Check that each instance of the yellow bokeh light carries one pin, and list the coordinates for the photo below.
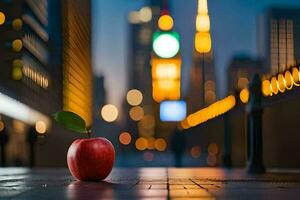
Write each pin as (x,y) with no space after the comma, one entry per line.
(203,42)
(212,111)
(17,45)
(167,71)
(150,143)
(160,144)
(274,85)
(109,113)
(196,151)
(134,97)
(296,76)
(2,18)
(17,73)
(202,23)
(17,24)
(2,125)
(125,138)
(289,80)
(165,23)
(136,113)
(266,88)
(202,7)
(40,127)
(141,144)
(145,14)
(147,122)
(281,83)
(17,63)
(244,95)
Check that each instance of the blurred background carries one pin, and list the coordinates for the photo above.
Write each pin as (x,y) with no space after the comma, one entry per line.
(140,73)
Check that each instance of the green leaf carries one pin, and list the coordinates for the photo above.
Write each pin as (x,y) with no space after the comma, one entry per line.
(70,121)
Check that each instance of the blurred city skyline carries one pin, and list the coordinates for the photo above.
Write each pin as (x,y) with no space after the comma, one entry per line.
(231,36)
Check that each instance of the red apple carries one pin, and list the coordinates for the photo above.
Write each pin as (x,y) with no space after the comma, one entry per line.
(91,159)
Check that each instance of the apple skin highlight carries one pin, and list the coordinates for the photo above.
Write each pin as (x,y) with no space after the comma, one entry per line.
(91,159)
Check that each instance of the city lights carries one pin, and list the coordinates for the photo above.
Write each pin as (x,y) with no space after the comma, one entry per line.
(202,36)
(17,110)
(136,113)
(134,97)
(202,23)
(281,83)
(145,14)
(2,126)
(141,144)
(203,42)
(195,151)
(244,95)
(17,24)
(109,113)
(218,108)
(17,45)
(172,111)
(166,45)
(160,144)
(125,138)
(40,127)
(165,23)
(17,73)
(2,18)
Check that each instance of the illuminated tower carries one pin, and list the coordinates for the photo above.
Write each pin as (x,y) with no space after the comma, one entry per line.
(202,85)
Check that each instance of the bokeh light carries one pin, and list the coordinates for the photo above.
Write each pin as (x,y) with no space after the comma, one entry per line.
(147,122)
(125,138)
(281,83)
(288,80)
(202,23)
(203,42)
(148,156)
(17,45)
(296,76)
(109,113)
(141,144)
(17,73)
(134,97)
(274,85)
(2,18)
(150,143)
(136,113)
(160,144)
(17,24)
(196,151)
(165,22)
(1,125)
(266,87)
(145,14)
(213,149)
(40,127)
(166,45)
(244,95)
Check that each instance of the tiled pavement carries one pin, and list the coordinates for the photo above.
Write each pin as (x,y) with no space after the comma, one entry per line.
(148,183)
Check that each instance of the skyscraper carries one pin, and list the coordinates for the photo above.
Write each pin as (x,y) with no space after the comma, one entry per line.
(278,38)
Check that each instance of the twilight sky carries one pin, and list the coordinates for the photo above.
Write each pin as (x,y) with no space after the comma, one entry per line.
(233,30)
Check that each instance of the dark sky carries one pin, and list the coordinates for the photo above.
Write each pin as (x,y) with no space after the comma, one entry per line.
(233,30)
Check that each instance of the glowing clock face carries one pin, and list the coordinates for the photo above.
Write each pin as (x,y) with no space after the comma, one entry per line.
(166,45)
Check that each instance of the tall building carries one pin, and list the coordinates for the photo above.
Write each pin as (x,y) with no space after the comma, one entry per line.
(77,67)
(45,67)
(26,78)
(278,38)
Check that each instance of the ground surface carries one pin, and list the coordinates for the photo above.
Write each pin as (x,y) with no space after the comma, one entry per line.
(148,183)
